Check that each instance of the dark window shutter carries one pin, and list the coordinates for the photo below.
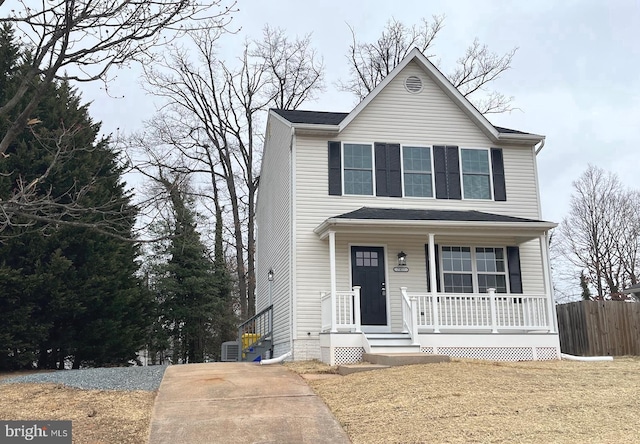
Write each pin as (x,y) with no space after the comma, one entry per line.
(515,276)
(388,174)
(381,169)
(446,166)
(394,179)
(426,254)
(440,171)
(335,169)
(497,167)
(453,173)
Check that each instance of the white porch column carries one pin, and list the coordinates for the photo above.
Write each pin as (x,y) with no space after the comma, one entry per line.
(546,273)
(332,272)
(434,282)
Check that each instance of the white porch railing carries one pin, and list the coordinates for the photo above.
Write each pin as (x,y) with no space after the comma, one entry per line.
(488,311)
(410,315)
(341,310)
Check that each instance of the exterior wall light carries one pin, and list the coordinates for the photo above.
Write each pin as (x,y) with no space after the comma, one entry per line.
(270,275)
(402,259)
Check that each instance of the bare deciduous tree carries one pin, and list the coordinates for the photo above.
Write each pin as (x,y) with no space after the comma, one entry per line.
(81,41)
(370,63)
(212,116)
(601,234)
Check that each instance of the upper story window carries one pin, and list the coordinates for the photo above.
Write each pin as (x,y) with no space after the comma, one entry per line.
(476,175)
(386,169)
(417,174)
(358,169)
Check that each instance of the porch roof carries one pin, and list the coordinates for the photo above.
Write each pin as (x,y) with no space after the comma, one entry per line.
(453,222)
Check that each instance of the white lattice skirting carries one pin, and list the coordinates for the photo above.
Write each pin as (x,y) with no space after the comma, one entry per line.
(348,355)
(497,353)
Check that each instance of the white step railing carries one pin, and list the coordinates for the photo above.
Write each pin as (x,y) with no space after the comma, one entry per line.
(488,311)
(341,311)
(410,315)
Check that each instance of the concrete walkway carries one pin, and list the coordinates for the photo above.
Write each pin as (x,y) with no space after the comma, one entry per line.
(240,403)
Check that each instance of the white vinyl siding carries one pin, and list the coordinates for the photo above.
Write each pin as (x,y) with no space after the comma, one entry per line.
(273,241)
(396,116)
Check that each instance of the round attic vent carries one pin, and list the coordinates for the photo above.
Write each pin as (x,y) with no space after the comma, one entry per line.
(413,84)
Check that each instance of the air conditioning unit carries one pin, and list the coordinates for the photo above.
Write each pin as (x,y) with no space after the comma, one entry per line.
(230,351)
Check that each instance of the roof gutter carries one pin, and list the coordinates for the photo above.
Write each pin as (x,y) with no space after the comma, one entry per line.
(540,147)
(316,127)
(335,221)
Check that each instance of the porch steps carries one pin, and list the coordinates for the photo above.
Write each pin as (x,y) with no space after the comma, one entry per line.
(394,359)
(391,343)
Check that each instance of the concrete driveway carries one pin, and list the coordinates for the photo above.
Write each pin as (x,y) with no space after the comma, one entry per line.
(240,403)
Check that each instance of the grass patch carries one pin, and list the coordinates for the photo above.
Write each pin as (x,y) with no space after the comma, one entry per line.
(468,401)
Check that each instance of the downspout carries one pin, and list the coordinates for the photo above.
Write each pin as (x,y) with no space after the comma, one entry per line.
(540,147)
(275,360)
(292,281)
(585,358)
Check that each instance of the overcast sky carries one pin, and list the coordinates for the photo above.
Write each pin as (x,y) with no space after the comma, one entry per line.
(575,77)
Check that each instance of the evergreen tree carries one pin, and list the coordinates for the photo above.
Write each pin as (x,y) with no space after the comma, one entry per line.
(67,293)
(194,292)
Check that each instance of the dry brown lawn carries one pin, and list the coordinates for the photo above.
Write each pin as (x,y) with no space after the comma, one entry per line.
(99,416)
(484,402)
(458,402)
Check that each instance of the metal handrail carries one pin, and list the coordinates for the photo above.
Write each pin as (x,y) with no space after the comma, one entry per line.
(256,329)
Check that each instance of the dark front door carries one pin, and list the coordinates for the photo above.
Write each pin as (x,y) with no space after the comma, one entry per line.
(367,271)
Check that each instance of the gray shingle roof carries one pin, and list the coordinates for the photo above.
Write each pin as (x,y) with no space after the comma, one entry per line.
(330,118)
(312,117)
(448,215)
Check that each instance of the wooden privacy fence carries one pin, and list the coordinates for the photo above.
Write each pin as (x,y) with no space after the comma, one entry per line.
(599,328)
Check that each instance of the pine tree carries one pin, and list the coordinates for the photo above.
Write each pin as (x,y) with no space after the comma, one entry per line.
(193,291)
(68,294)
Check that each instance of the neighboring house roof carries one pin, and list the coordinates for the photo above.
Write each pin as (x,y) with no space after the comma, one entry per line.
(339,121)
(632,289)
(331,118)
(469,222)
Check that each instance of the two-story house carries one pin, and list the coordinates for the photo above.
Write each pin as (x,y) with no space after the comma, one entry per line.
(410,223)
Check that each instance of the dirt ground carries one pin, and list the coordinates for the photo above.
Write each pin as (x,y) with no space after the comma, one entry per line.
(458,402)
(486,402)
(99,417)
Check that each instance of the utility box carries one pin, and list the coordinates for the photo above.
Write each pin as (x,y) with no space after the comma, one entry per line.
(230,351)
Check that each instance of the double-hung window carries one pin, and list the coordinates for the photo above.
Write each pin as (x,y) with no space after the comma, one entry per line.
(457,269)
(476,174)
(491,268)
(358,169)
(469,270)
(416,164)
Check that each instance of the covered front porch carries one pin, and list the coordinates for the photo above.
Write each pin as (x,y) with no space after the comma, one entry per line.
(441,302)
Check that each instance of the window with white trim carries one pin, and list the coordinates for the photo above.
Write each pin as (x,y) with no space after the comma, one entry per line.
(476,173)
(416,167)
(457,269)
(473,270)
(492,272)
(358,169)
